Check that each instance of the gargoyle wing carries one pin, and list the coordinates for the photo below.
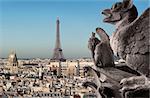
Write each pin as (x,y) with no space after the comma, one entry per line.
(134,43)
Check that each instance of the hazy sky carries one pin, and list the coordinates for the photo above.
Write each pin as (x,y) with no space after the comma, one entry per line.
(29,26)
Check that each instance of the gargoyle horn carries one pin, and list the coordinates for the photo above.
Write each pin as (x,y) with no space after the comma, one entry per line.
(127,4)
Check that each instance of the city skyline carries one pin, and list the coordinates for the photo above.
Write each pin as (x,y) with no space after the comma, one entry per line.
(29,27)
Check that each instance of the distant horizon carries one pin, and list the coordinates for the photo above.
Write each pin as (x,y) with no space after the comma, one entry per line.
(46,58)
(29,27)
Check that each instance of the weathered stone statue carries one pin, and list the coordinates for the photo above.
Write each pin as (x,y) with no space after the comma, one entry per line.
(102,53)
(100,92)
(94,87)
(131,38)
(131,42)
(96,75)
(97,84)
(93,41)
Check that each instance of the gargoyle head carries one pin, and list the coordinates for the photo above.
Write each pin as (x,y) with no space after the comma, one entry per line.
(120,11)
(87,69)
(89,84)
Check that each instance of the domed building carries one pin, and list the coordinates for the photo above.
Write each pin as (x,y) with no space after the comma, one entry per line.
(12,64)
(12,59)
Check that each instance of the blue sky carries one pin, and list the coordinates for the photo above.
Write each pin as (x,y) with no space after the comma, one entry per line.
(29,26)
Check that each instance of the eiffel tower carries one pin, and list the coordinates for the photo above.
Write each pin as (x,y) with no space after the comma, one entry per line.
(58,54)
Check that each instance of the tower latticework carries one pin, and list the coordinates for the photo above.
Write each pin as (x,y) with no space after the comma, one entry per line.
(58,53)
